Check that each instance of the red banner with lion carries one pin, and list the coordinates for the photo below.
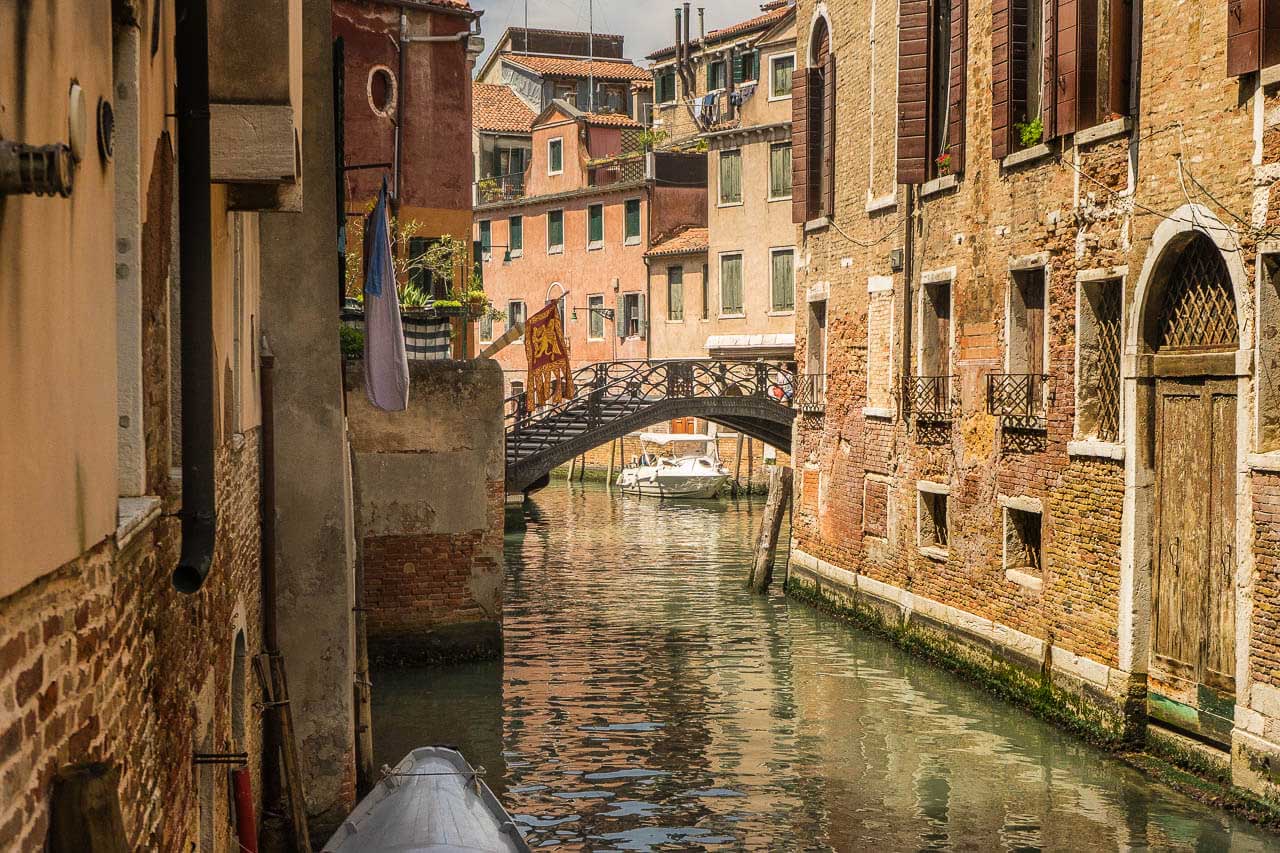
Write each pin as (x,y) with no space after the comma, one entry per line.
(550,377)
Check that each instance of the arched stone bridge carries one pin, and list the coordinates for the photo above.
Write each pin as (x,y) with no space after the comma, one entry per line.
(613,399)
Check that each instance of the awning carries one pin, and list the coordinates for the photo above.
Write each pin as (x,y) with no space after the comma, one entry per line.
(780,346)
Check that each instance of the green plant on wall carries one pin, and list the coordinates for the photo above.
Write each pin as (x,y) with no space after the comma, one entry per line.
(1029,132)
(649,139)
(402,262)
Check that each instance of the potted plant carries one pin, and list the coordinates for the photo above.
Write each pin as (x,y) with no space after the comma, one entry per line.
(943,162)
(1029,132)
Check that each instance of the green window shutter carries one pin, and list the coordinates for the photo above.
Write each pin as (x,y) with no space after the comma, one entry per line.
(595,223)
(731,284)
(739,67)
(486,236)
(730,177)
(555,228)
(516,234)
(556,155)
(780,85)
(620,317)
(642,312)
(633,219)
(711,76)
(675,293)
(780,171)
(783,281)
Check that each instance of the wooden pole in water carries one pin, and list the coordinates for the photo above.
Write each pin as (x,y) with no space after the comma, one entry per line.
(613,450)
(582,467)
(751,463)
(573,464)
(780,479)
(737,466)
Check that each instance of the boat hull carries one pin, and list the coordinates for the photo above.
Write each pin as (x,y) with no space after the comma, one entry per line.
(674,486)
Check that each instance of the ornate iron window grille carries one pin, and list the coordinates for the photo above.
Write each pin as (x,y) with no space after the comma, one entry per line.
(811,393)
(1109,311)
(1019,399)
(928,398)
(1198,312)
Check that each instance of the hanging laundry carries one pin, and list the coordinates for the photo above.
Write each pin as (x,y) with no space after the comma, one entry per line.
(386,367)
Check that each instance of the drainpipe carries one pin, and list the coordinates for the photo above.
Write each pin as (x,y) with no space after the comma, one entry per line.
(271,787)
(908,269)
(195,232)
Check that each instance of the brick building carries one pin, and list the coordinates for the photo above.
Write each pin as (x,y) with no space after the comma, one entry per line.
(1035,269)
(592,205)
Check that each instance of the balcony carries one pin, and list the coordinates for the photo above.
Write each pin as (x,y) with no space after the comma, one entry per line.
(1020,400)
(927,399)
(811,393)
(625,169)
(500,188)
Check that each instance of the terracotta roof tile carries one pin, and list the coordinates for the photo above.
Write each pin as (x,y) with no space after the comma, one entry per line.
(611,120)
(773,14)
(556,66)
(498,109)
(686,241)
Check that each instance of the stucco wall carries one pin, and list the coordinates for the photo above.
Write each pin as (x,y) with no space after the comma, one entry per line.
(429,493)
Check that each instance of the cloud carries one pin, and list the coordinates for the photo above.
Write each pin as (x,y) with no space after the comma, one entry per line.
(647,24)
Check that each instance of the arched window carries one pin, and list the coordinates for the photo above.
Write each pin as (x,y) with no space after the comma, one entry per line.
(1197,309)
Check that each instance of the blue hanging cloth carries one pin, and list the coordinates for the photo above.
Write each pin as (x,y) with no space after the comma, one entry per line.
(386,367)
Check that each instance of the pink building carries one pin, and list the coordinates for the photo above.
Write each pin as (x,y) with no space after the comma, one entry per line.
(592,204)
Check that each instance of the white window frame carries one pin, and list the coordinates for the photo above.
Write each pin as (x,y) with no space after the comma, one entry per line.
(741,178)
(633,241)
(550,142)
(948,275)
(524,314)
(724,62)
(881,284)
(557,249)
(741,256)
(926,487)
(772,60)
(1091,445)
(1016,574)
(595,245)
(592,314)
(783,312)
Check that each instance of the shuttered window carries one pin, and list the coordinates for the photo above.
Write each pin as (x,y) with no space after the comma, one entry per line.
(780,76)
(932,56)
(516,234)
(715,75)
(813,132)
(675,293)
(486,237)
(632,225)
(665,85)
(800,146)
(595,322)
(746,66)
(555,156)
(731,284)
(595,224)
(555,230)
(730,183)
(783,280)
(780,170)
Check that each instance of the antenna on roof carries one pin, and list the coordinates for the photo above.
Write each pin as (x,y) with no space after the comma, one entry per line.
(591,56)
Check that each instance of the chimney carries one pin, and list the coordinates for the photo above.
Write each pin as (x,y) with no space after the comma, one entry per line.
(702,23)
(679,44)
(687,25)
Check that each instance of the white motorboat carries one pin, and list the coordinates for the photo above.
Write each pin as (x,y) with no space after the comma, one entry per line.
(663,472)
(433,800)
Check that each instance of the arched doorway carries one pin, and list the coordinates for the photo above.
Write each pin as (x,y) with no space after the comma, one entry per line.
(1188,335)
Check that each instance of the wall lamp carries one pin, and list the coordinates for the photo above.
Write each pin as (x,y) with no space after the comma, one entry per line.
(36,169)
(606,313)
(506,256)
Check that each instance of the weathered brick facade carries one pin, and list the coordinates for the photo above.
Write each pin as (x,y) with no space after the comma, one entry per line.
(1107,206)
(103,660)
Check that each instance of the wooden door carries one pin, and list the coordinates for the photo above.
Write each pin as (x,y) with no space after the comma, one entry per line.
(1193,560)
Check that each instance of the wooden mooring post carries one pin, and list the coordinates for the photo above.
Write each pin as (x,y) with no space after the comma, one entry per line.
(613,452)
(737,466)
(780,478)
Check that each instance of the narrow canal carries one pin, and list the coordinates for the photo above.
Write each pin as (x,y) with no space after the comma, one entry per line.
(647,701)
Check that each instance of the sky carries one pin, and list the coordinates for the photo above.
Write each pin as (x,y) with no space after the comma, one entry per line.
(647,24)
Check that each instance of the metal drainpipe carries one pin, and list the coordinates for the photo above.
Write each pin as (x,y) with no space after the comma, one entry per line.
(908,268)
(195,231)
(271,782)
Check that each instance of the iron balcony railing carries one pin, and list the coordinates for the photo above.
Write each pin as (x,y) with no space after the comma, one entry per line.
(928,398)
(497,188)
(811,393)
(1020,400)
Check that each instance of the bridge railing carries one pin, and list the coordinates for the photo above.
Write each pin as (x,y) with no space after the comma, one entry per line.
(601,386)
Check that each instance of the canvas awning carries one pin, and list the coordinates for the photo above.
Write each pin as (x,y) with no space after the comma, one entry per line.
(781,345)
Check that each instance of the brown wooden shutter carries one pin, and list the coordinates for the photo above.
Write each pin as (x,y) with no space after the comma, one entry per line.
(829,136)
(1120,64)
(913,91)
(817,126)
(1244,36)
(800,146)
(1066,79)
(1087,65)
(956,85)
(1001,77)
(1270,26)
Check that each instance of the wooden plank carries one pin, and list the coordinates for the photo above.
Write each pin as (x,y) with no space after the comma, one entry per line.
(800,146)
(1067,83)
(957,85)
(780,485)
(289,753)
(251,143)
(1220,648)
(1244,26)
(913,82)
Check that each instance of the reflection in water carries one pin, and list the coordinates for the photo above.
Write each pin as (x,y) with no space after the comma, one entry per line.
(647,701)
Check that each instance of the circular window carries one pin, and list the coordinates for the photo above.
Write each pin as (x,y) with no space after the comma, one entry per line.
(382,91)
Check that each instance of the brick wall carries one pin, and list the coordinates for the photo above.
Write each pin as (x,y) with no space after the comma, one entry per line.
(103,660)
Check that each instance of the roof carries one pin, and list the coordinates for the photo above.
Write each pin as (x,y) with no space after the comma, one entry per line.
(598,119)
(543,31)
(456,5)
(601,69)
(774,13)
(687,241)
(498,109)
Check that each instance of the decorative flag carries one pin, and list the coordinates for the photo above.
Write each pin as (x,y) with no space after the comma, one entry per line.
(550,378)
(386,368)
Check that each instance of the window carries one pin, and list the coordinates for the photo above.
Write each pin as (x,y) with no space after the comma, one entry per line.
(715,75)
(595,320)
(782,279)
(706,293)
(931,89)
(1098,360)
(932,531)
(815,351)
(814,106)
(664,84)
(875,507)
(515,314)
(675,293)
(515,236)
(486,328)
(555,156)
(632,232)
(746,66)
(730,284)
(381,91)
(935,329)
(880,314)
(780,171)
(1252,42)
(421,276)
(631,323)
(555,232)
(1268,368)
(1025,332)
(1022,552)
(730,177)
(565,91)
(486,238)
(511,161)
(780,71)
(595,226)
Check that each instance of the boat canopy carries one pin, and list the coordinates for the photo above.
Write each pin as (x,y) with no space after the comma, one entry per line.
(673,437)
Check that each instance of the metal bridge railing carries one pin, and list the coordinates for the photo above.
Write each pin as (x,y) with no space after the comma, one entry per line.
(811,393)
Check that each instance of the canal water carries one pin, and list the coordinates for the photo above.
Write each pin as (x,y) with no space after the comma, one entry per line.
(647,701)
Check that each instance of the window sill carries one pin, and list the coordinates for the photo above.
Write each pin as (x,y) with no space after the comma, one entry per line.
(1268,463)
(1106,130)
(782,312)
(1025,580)
(518,253)
(817,224)
(729,204)
(732,317)
(595,340)
(555,174)
(679,322)
(933,552)
(774,98)
(595,246)
(878,412)
(631,241)
(133,517)
(938,185)
(1092,448)
(555,250)
(1028,155)
(774,198)
(885,202)
(1269,76)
